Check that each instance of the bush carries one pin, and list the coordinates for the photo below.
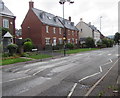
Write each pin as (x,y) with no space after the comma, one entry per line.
(12,49)
(90,43)
(69,46)
(107,42)
(58,47)
(27,40)
(28,46)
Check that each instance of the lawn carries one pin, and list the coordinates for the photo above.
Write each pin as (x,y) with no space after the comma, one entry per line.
(15,60)
(39,56)
(80,50)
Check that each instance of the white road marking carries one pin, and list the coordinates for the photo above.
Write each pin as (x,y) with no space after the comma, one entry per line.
(24,71)
(93,87)
(38,71)
(101,69)
(73,88)
(23,91)
(16,79)
(109,54)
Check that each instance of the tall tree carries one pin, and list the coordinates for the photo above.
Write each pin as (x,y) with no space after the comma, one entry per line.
(117,38)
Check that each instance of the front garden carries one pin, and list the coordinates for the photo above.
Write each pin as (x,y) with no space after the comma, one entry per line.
(17,52)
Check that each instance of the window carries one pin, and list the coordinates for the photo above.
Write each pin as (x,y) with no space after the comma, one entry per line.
(60,41)
(47,29)
(54,41)
(54,30)
(60,31)
(73,40)
(68,32)
(47,41)
(5,23)
(68,40)
(72,32)
(76,41)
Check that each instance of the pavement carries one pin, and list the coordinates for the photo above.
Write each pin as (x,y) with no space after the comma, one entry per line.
(107,86)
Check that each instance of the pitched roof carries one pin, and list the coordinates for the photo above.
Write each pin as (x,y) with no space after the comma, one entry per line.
(50,19)
(68,24)
(47,18)
(8,35)
(4,10)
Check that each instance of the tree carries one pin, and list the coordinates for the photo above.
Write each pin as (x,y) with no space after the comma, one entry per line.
(117,38)
(90,43)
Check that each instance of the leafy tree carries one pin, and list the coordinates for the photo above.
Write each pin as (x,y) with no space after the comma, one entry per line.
(117,38)
(90,43)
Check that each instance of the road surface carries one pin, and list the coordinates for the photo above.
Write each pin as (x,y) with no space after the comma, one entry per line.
(68,76)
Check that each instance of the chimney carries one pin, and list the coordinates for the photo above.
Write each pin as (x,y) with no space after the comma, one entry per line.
(89,23)
(31,4)
(81,19)
(69,18)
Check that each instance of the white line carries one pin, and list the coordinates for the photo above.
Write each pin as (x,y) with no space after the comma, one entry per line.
(72,90)
(16,79)
(101,69)
(93,87)
(109,54)
(38,71)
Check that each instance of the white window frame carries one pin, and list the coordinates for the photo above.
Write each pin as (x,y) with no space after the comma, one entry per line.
(54,30)
(72,32)
(73,40)
(76,41)
(47,41)
(68,40)
(60,31)
(5,23)
(47,29)
(54,41)
(60,41)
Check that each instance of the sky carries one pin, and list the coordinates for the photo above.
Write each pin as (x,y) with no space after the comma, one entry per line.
(89,10)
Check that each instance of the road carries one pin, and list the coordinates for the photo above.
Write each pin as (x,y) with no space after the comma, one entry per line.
(68,76)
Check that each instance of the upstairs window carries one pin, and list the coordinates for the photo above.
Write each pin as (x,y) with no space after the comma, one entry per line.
(60,31)
(54,30)
(47,29)
(5,23)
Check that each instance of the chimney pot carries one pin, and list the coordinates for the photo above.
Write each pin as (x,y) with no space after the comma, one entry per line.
(69,18)
(31,4)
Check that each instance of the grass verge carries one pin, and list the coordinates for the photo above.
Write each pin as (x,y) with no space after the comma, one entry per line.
(39,56)
(14,60)
(80,50)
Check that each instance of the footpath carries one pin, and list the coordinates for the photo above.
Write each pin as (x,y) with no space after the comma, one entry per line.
(109,85)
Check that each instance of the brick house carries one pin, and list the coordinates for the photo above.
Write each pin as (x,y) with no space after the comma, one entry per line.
(45,28)
(7,21)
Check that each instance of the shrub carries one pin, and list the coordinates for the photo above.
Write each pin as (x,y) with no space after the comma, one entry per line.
(27,40)
(90,43)
(69,46)
(58,47)
(28,46)
(12,49)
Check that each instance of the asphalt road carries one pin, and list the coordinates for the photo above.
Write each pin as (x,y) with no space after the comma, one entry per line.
(68,76)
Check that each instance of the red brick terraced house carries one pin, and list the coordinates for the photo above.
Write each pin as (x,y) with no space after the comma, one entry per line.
(7,20)
(47,29)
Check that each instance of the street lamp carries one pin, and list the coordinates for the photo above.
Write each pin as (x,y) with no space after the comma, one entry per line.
(64,35)
(100,22)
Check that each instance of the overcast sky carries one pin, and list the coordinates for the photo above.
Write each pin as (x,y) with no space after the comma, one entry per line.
(89,10)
